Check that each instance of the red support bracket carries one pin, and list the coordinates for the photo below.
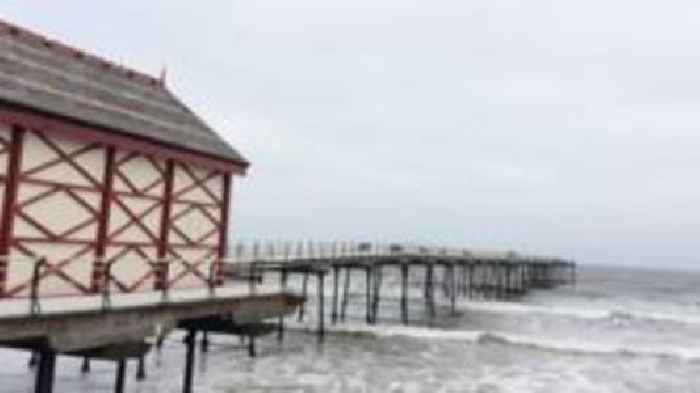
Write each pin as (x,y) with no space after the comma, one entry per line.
(224,226)
(162,276)
(10,202)
(103,221)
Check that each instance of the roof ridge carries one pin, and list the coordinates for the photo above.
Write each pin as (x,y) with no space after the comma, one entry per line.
(21,33)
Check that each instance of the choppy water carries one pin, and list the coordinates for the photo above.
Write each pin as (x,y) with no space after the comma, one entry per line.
(618,330)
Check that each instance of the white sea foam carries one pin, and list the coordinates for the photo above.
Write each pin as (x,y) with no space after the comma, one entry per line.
(529,341)
(681,316)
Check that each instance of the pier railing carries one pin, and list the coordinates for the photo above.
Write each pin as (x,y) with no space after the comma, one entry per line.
(285,251)
(30,274)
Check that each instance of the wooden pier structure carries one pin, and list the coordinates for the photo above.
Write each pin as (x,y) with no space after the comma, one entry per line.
(448,271)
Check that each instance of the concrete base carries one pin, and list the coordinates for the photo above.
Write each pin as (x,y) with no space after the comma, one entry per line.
(83,330)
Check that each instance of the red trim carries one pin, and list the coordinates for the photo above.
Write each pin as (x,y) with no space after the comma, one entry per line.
(197,183)
(103,220)
(10,202)
(53,184)
(224,222)
(165,221)
(30,239)
(104,136)
(48,183)
(119,244)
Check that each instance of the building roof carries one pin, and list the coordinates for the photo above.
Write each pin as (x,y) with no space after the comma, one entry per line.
(53,78)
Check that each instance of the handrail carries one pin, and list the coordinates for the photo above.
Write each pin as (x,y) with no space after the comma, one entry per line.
(161,269)
(213,277)
(106,288)
(34,305)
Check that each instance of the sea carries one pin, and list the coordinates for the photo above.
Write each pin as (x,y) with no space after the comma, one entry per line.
(617,330)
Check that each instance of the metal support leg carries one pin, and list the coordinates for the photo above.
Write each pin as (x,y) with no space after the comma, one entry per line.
(321,312)
(141,368)
(205,342)
(404,294)
(346,293)
(453,289)
(120,380)
(85,367)
(251,346)
(463,282)
(305,290)
(430,290)
(189,361)
(472,268)
(368,294)
(45,372)
(33,359)
(280,323)
(336,276)
(376,296)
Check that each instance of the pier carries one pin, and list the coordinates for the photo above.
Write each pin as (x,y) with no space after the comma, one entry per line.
(447,274)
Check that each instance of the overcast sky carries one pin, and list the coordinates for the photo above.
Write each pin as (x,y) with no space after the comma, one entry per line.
(551,127)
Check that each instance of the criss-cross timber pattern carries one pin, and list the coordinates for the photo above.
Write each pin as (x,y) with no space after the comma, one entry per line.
(136,207)
(85,206)
(56,214)
(195,225)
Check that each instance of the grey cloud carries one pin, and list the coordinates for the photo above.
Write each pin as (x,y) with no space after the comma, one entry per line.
(557,127)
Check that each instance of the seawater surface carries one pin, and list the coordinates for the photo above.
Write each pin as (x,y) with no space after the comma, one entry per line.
(618,330)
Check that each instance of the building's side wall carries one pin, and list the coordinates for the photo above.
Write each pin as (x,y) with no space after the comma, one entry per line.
(195,224)
(86,206)
(56,214)
(136,207)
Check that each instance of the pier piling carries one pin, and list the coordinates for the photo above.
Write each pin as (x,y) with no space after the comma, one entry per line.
(45,371)
(85,367)
(141,368)
(336,276)
(321,313)
(188,377)
(120,379)
(404,293)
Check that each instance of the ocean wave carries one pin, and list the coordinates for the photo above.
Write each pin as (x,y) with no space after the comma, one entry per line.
(615,315)
(526,341)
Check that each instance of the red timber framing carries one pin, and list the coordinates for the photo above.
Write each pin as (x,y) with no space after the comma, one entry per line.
(68,129)
(103,224)
(74,196)
(196,219)
(12,158)
(162,277)
(224,227)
